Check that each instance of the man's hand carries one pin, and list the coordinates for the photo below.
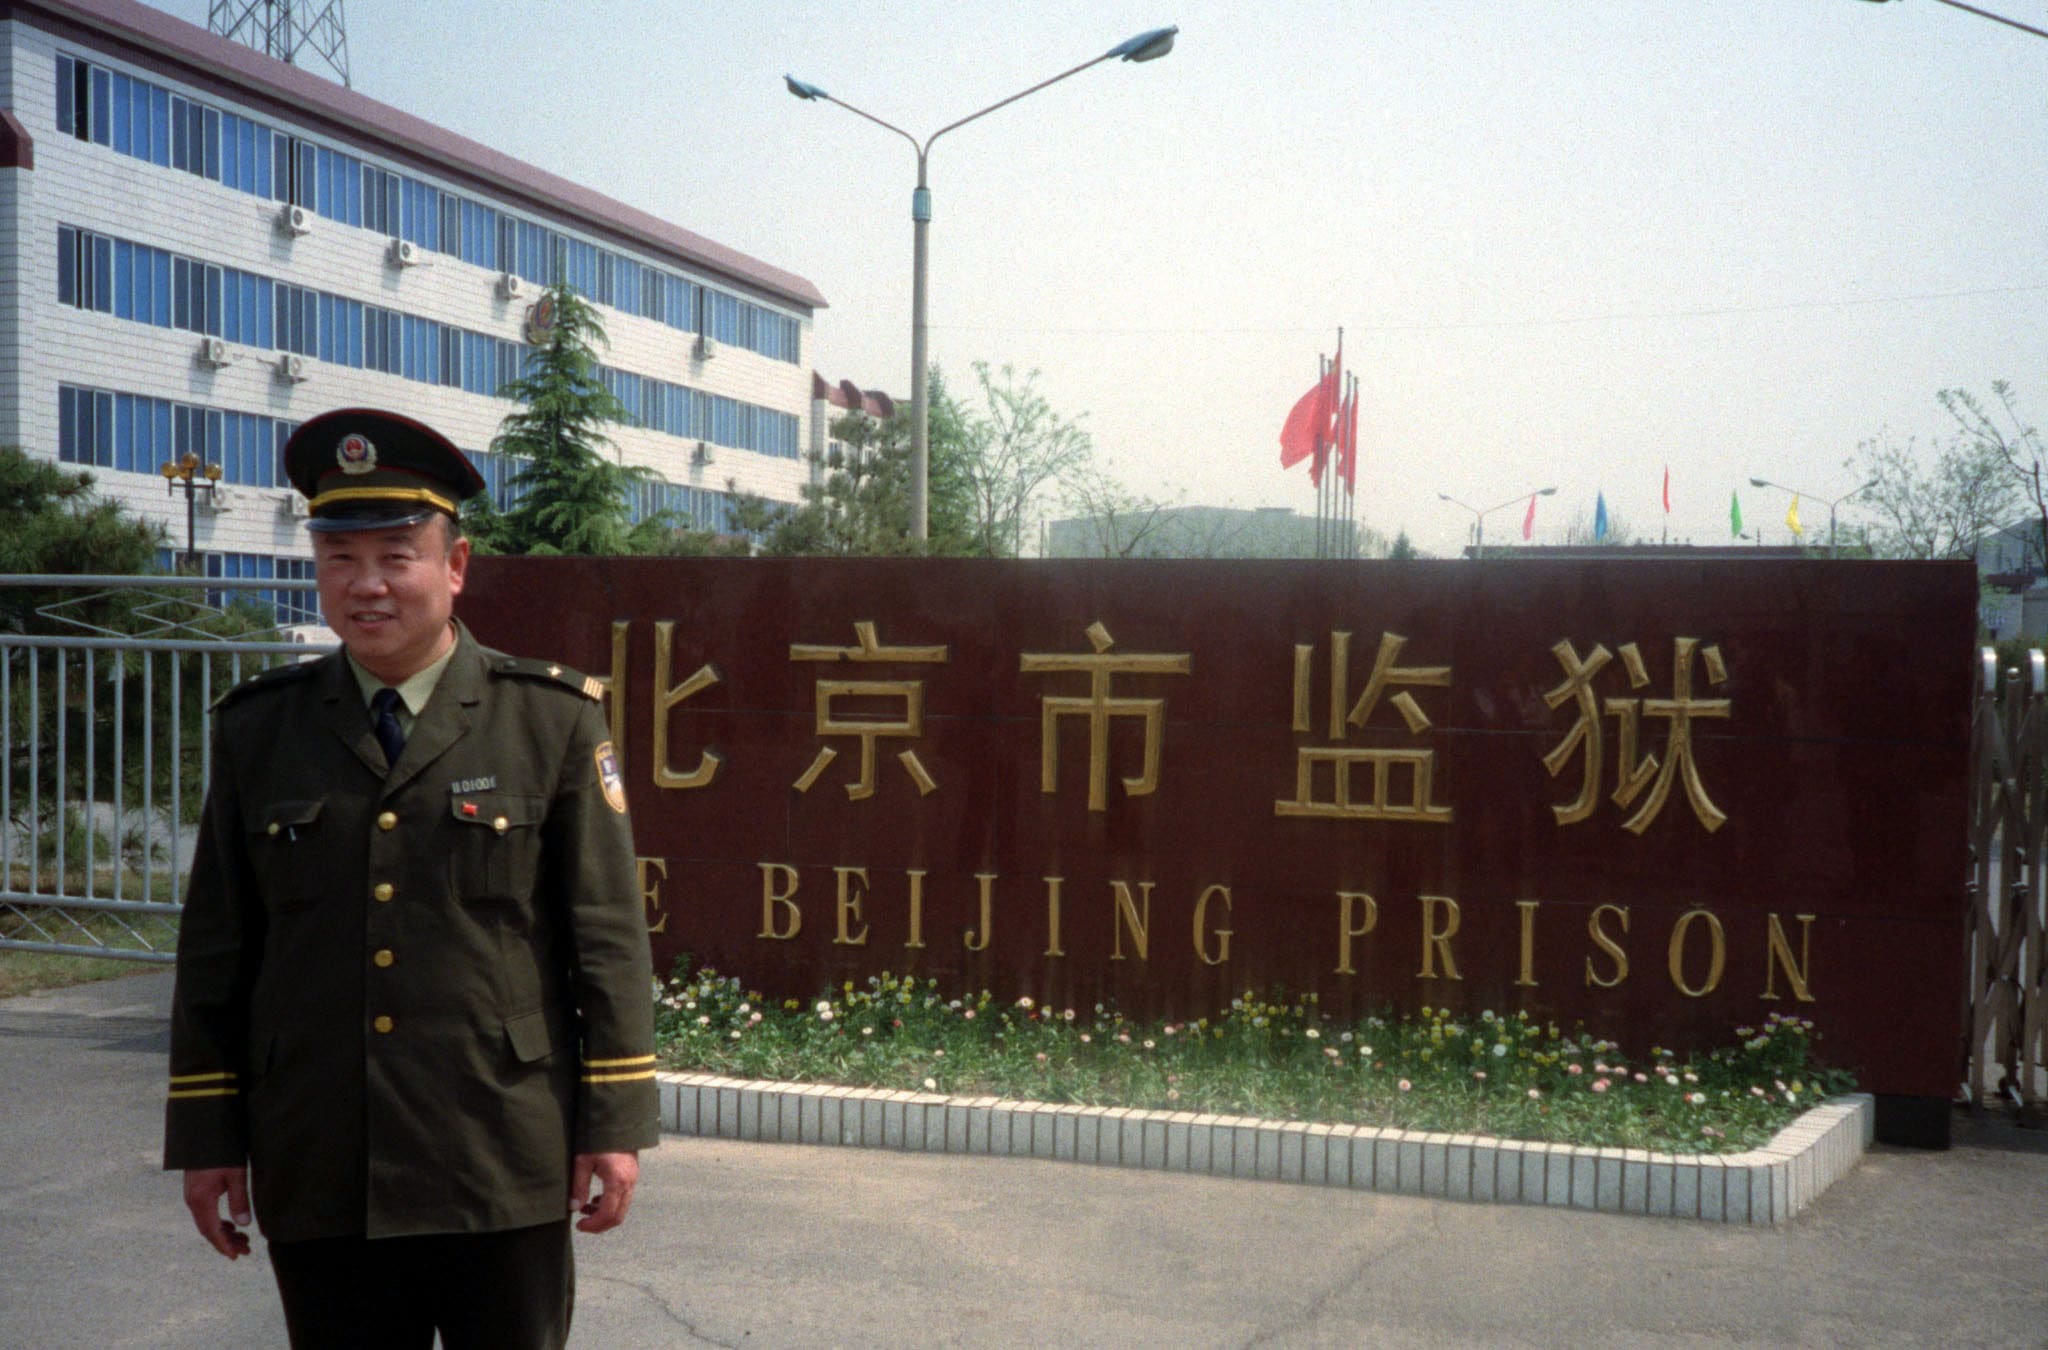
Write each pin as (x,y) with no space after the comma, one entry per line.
(204,1187)
(618,1172)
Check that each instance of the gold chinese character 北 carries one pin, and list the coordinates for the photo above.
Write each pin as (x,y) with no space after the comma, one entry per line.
(1634,770)
(1343,761)
(907,723)
(1099,709)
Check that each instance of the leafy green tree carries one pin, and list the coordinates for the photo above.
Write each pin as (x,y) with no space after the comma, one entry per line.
(2011,440)
(51,522)
(1914,509)
(860,501)
(1403,548)
(1016,445)
(573,493)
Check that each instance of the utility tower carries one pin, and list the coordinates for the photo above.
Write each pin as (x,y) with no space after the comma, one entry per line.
(285,29)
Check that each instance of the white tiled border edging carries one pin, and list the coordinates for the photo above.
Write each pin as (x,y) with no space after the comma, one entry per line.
(1766,1185)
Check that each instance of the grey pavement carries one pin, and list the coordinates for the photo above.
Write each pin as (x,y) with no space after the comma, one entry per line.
(777,1245)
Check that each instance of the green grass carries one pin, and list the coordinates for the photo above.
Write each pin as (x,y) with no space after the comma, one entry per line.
(31,972)
(1268,1056)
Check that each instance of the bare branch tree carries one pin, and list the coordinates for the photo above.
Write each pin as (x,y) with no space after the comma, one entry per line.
(1016,445)
(2019,447)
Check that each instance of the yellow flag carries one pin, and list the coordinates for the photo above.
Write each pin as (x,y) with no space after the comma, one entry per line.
(1792,517)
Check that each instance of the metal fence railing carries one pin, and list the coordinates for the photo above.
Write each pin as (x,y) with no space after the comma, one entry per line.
(105,746)
(2006,997)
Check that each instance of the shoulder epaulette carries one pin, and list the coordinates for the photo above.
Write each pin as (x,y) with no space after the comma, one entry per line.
(549,672)
(267,679)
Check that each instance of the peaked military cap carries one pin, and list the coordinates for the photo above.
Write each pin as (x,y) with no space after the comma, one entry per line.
(363,469)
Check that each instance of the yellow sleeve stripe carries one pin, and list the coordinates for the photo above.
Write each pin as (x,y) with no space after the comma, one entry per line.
(618,1063)
(618,1077)
(178,1078)
(205,1092)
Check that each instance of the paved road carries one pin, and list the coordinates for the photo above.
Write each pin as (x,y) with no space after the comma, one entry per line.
(773,1245)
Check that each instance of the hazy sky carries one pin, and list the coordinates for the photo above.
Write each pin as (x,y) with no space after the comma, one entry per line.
(1569,242)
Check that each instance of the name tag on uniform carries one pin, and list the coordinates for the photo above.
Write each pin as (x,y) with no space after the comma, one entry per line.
(463,786)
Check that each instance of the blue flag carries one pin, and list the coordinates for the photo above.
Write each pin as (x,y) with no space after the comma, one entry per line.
(1600,519)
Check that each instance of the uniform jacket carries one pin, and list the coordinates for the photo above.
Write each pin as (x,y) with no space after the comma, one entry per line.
(407,997)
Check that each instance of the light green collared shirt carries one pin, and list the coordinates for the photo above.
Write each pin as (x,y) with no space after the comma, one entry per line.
(413,693)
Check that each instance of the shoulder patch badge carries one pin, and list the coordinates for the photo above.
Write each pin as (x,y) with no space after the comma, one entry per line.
(608,775)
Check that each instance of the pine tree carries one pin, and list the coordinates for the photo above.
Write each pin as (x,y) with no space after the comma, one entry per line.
(572,492)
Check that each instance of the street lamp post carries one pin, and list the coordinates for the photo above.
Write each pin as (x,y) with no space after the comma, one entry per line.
(194,477)
(1479,516)
(1797,494)
(1147,46)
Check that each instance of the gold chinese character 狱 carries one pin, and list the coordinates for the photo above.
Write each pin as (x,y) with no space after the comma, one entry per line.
(1635,771)
(1099,709)
(1344,716)
(907,723)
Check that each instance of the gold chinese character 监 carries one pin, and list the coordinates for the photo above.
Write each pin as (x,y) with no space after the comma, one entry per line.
(1635,771)
(1099,708)
(908,722)
(1343,761)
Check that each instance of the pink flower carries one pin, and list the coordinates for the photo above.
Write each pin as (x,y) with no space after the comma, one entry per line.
(1600,1085)
(1573,1069)
(1405,1085)
(1535,1093)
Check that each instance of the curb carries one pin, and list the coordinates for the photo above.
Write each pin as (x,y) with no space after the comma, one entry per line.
(1768,1185)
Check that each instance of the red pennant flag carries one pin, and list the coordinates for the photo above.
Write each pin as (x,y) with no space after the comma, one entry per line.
(1667,489)
(1529,517)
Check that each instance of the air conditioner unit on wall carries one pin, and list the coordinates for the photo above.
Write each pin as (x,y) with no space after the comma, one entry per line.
(707,346)
(294,505)
(702,454)
(405,253)
(220,499)
(214,352)
(295,220)
(512,286)
(291,366)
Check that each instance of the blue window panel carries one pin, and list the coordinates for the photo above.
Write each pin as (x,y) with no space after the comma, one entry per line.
(124,432)
(102,274)
(67,74)
(102,430)
(227,137)
(725,318)
(67,265)
(209,124)
(160,287)
(67,424)
(143,300)
(122,140)
(102,94)
(160,127)
(124,279)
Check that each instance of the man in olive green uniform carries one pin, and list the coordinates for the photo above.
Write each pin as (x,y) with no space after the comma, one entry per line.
(413,998)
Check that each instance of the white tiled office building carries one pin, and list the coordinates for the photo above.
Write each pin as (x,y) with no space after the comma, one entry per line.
(204,246)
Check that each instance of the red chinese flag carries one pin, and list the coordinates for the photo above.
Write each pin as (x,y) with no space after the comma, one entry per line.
(1529,518)
(1667,489)
(1347,441)
(1298,437)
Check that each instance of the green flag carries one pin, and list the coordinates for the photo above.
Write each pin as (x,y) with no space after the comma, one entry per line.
(1735,515)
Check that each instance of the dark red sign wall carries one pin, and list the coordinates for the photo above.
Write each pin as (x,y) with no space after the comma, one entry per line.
(1664,798)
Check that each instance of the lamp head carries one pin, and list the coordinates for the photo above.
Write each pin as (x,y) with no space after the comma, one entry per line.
(802,90)
(1547,492)
(168,469)
(1145,46)
(1758,482)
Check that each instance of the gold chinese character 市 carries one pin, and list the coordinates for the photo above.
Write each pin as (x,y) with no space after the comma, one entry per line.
(1344,761)
(1099,709)
(1636,772)
(907,723)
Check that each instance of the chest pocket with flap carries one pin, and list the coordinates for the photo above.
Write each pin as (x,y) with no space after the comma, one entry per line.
(287,852)
(497,845)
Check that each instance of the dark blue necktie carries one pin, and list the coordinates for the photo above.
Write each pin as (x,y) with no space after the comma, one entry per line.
(384,707)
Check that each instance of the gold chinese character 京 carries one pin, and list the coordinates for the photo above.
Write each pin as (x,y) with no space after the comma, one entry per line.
(1099,708)
(1636,771)
(907,723)
(1343,761)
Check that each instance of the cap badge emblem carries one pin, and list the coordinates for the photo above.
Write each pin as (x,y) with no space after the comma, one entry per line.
(355,454)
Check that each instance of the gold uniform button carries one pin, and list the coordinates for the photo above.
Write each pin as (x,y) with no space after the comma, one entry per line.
(382,890)
(383,1024)
(275,827)
(501,824)
(384,957)
(388,821)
